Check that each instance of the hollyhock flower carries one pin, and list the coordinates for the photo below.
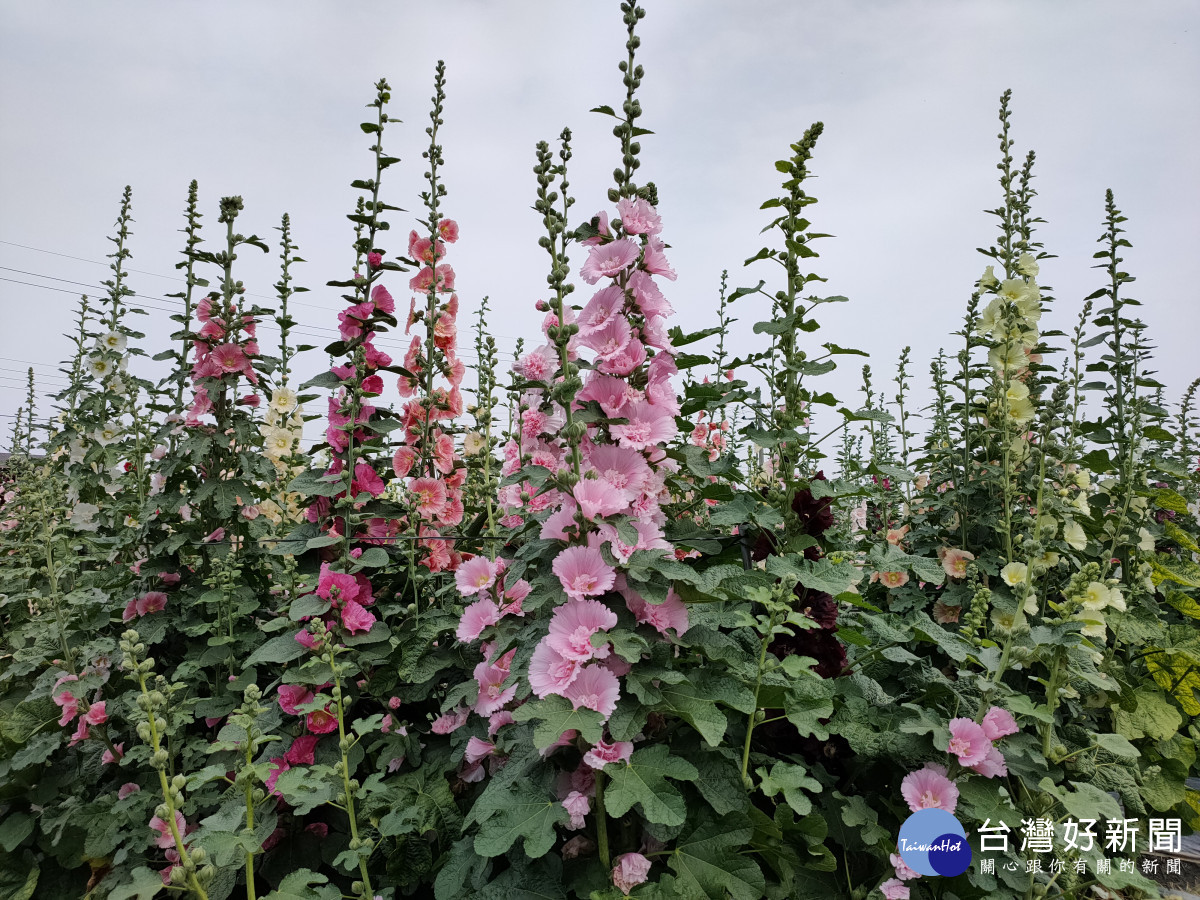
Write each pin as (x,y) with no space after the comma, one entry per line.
(537,365)
(625,361)
(96,714)
(629,870)
(893,579)
(498,720)
(929,788)
(475,618)
(649,298)
(610,339)
(475,575)
(1014,573)
(621,467)
(307,639)
(355,618)
(403,461)
(279,765)
(69,706)
(944,614)
(954,562)
(998,723)
(126,789)
(515,593)
(130,613)
(598,498)
(993,765)
(549,672)
(366,479)
(230,358)
(655,261)
(638,216)
(336,587)
(477,750)
(293,695)
(604,753)
(583,572)
(577,805)
(217,535)
(151,602)
(430,496)
(448,230)
(605,304)
(492,693)
(166,839)
(647,427)
(608,260)
(894,889)
(670,615)
(451,721)
(321,721)
(303,749)
(610,392)
(572,627)
(107,756)
(596,688)
(903,872)
(968,741)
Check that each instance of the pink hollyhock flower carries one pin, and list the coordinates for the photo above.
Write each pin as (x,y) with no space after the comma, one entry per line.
(638,216)
(577,806)
(478,749)
(381,298)
(451,721)
(629,870)
(929,788)
(647,427)
(250,513)
(218,535)
(375,358)
(607,260)
(430,496)
(572,627)
(955,561)
(893,579)
(374,260)
(336,587)
(169,578)
(492,693)
(127,788)
(303,749)
(903,872)
(165,838)
(598,498)
(604,753)
(448,230)
(229,358)
(622,468)
(999,723)
(625,361)
(498,720)
(537,365)
(648,296)
(321,721)
(475,618)
(993,765)
(555,527)
(606,303)
(968,742)
(655,261)
(549,672)
(307,638)
(402,462)
(107,757)
(96,714)
(609,340)
(151,602)
(69,706)
(279,765)
(320,829)
(594,688)
(611,393)
(894,889)
(81,733)
(671,614)
(475,575)
(355,618)
(601,219)
(293,695)
(130,613)
(583,572)
(366,479)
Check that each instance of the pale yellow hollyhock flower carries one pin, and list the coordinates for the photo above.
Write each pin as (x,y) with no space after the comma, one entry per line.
(1081,503)
(1074,535)
(989,319)
(473,443)
(283,399)
(1018,450)
(1027,265)
(988,279)
(1013,289)
(1020,407)
(1095,597)
(1145,541)
(98,366)
(1011,358)
(1095,628)
(1029,307)
(1050,559)
(1116,600)
(1031,605)
(277,442)
(1014,573)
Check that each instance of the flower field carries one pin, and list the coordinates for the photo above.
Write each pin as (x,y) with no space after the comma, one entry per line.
(635,616)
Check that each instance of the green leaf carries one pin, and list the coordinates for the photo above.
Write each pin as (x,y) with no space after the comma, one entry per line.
(525,811)
(555,716)
(807,702)
(374,557)
(314,483)
(684,700)
(1152,716)
(642,781)
(299,885)
(708,865)
(1117,746)
(279,649)
(14,829)
(788,779)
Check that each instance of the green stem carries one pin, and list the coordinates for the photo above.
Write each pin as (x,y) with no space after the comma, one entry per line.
(602,823)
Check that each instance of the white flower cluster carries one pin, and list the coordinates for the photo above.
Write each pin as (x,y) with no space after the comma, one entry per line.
(1010,323)
(283,425)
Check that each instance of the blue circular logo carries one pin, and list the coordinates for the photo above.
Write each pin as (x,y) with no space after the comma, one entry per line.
(933,842)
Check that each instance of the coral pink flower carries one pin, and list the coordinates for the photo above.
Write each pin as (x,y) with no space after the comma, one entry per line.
(475,618)
(321,721)
(999,723)
(968,742)
(165,838)
(604,753)
(572,627)
(96,714)
(448,230)
(293,695)
(383,300)
(577,805)
(478,749)
(336,587)
(303,749)
(638,216)
(550,673)
(229,358)
(583,572)
(993,765)
(598,498)
(607,260)
(929,788)
(594,688)
(671,614)
(894,889)
(903,872)
(355,618)
(402,462)
(430,496)
(475,575)
(630,870)
(955,561)
(366,479)
(893,579)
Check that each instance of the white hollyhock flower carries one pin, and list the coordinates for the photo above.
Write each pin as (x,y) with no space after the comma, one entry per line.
(98,367)
(1027,265)
(112,341)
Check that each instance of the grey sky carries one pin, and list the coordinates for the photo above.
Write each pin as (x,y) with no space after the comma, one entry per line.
(264,99)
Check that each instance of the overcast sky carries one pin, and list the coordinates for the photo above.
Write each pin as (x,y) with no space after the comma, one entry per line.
(264,99)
